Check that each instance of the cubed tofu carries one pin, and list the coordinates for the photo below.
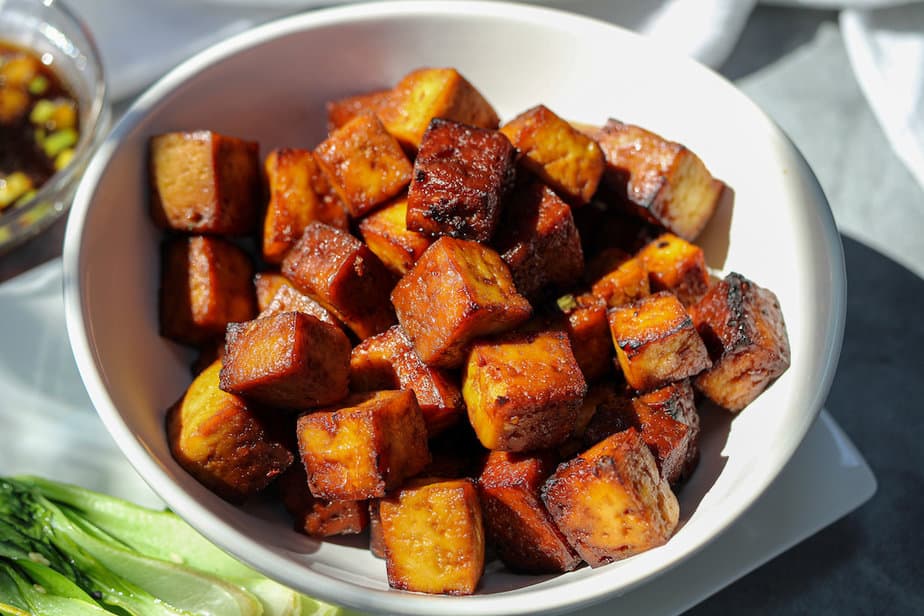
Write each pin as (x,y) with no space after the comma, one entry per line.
(669,425)
(203,182)
(611,502)
(462,174)
(589,333)
(563,157)
(523,390)
(221,440)
(376,536)
(343,275)
(341,111)
(385,232)
(429,93)
(626,281)
(656,342)
(744,330)
(389,361)
(515,518)
(317,517)
(289,299)
(678,266)
(205,284)
(457,291)
(366,165)
(266,285)
(288,360)
(365,446)
(434,538)
(538,241)
(293,176)
(659,180)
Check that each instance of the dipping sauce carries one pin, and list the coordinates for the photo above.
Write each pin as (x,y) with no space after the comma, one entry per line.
(39,124)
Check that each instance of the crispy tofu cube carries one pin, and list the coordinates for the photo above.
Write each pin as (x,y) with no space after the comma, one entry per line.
(205,284)
(429,93)
(515,518)
(626,281)
(288,299)
(203,182)
(341,273)
(266,285)
(562,156)
(385,232)
(219,439)
(293,175)
(317,517)
(365,446)
(366,165)
(678,266)
(669,425)
(434,539)
(389,361)
(610,501)
(659,180)
(457,291)
(288,360)
(341,111)
(589,333)
(523,390)
(462,175)
(744,330)
(538,241)
(656,342)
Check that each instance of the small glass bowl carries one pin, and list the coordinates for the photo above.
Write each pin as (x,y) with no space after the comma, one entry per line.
(48,26)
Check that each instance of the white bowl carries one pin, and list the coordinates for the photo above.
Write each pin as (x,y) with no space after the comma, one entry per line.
(271,83)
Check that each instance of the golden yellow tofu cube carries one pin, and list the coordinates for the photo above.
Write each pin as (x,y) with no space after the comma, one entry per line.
(626,281)
(341,111)
(434,539)
(266,285)
(678,266)
(289,299)
(589,333)
(385,232)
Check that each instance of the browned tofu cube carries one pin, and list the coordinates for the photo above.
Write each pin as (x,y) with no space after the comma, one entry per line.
(388,361)
(364,447)
(292,176)
(288,299)
(589,333)
(205,284)
(678,266)
(385,232)
(429,93)
(317,517)
(376,536)
(523,390)
(221,441)
(515,518)
(538,241)
(203,182)
(563,157)
(266,285)
(287,360)
(611,502)
(669,425)
(366,165)
(341,273)
(462,174)
(659,180)
(656,342)
(626,281)
(341,111)
(434,539)
(744,330)
(457,291)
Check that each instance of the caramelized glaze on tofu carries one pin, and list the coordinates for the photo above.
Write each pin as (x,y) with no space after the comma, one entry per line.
(364,447)
(203,182)
(610,501)
(366,165)
(457,291)
(538,240)
(287,360)
(678,266)
(659,180)
(462,174)
(288,299)
(515,518)
(222,441)
(341,273)
(434,539)
(317,517)
(266,284)
(388,360)
(589,333)
(294,176)
(385,232)
(205,284)
(341,111)
(523,390)
(562,156)
(743,327)
(625,281)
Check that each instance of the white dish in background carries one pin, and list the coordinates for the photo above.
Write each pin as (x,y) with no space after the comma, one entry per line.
(780,234)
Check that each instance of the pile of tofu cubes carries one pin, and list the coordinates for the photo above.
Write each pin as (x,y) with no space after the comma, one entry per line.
(451,333)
